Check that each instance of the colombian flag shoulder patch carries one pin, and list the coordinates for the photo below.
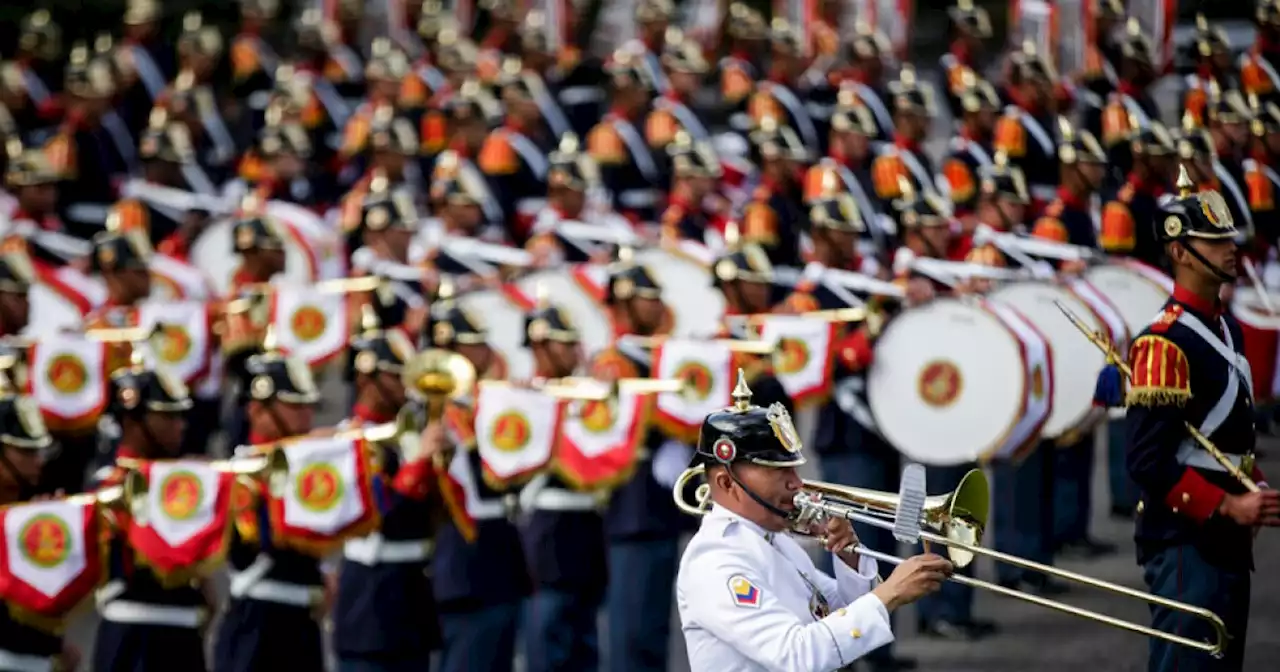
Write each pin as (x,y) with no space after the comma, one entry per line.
(745,593)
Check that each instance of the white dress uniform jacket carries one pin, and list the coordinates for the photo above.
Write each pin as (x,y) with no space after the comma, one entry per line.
(751,600)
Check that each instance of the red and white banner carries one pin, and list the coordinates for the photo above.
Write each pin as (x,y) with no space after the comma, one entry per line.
(804,364)
(183,345)
(311,325)
(53,558)
(516,430)
(707,367)
(600,440)
(68,380)
(183,525)
(328,495)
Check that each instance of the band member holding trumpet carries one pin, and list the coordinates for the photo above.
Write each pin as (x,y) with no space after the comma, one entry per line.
(269,621)
(749,596)
(148,621)
(385,615)
(564,533)
(24,440)
(16,276)
(1196,520)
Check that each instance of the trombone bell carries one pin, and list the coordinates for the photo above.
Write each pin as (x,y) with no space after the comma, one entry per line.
(439,375)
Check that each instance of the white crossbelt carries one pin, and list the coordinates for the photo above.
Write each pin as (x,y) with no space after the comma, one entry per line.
(142,613)
(375,550)
(1191,455)
(1189,452)
(559,499)
(252,584)
(23,662)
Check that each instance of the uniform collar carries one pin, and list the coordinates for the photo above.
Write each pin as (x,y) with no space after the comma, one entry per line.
(724,518)
(903,142)
(366,414)
(1070,200)
(1196,302)
(1145,187)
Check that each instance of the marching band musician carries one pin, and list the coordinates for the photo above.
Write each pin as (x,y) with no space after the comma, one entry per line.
(564,534)
(642,523)
(270,619)
(1131,100)
(1126,209)
(387,223)
(1260,177)
(865,74)
(780,612)
(144,60)
(1196,153)
(694,210)
(904,158)
(1227,119)
(284,167)
(773,218)
(24,439)
(1027,133)
(675,111)
(149,621)
(849,155)
(39,48)
(573,79)
(746,279)
(478,572)
(1258,65)
(384,617)
(253,60)
(970,150)
(1210,53)
(745,34)
(572,178)
(970,28)
(617,144)
(35,184)
(193,100)
(781,93)
(1196,522)
(653,20)
(463,126)
(168,163)
(16,277)
(386,69)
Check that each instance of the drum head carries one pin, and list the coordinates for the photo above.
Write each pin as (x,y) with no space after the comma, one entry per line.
(50,311)
(213,254)
(1076,361)
(687,289)
(949,382)
(1138,297)
(564,291)
(1248,307)
(505,322)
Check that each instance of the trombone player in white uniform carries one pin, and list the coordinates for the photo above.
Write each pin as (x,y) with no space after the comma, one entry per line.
(749,596)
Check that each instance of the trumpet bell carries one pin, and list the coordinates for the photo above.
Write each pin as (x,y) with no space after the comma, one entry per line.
(439,374)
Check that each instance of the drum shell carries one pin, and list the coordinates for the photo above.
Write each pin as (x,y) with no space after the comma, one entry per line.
(1261,333)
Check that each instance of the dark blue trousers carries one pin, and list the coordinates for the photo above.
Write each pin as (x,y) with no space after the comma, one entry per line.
(1072,490)
(639,603)
(257,636)
(1022,522)
(419,664)
(562,632)
(869,463)
(953,602)
(131,647)
(1124,492)
(1181,573)
(482,640)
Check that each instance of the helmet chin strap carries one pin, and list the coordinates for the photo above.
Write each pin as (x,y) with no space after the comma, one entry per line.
(1217,272)
(757,498)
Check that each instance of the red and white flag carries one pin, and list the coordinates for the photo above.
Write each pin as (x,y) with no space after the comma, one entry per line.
(52,559)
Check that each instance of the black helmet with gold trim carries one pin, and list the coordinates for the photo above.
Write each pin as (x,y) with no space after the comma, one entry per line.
(140,389)
(971,19)
(837,212)
(1152,139)
(388,209)
(256,233)
(746,23)
(40,36)
(691,158)
(29,167)
(771,140)
(571,168)
(548,322)
(851,115)
(380,350)
(745,432)
(683,54)
(452,324)
(17,273)
(1078,145)
(1195,214)
(910,95)
(275,376)
(748,263)
(21,424)
(1005,182)
(1027,65)
(628,281)
(919,211)
(128,250)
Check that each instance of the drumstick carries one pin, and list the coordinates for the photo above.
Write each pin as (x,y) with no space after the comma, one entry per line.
(1257,285)
(1114,357)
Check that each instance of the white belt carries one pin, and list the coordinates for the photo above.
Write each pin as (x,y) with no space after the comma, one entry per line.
(1191,455)
(375,550)
(638,198)
(558,499)
(251,584)
(578,95)
(1044,192)
(488,509)
(24,662)
(123,611)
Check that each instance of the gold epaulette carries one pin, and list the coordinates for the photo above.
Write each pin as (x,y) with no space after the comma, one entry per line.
(760,223)
(605,145)
(735,84)
(762,104)
(885,171)
(1261,190)
(433,130)
(660,128)
(1161,374)
(1115,123)
(497,156)
(244,58)
(961,179)
(1117,232)
(1050,228)
(355,134)
(1010,136)
(131,215)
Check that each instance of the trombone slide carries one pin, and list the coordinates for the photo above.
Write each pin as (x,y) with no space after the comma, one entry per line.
(591,389)
(756,347)
(856,314)
(120,334)
(363,283)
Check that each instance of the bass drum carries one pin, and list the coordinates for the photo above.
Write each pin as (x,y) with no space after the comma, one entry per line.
(960,380)
(687,289)
(574,292)
(213,253)
(1261,330)
(1076,361)
(50,311)
(1137,290)
(504,321)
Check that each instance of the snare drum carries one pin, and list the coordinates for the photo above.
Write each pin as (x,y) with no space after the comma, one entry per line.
(1137,290)
(1076,361)
(573,292)
(960,380)
(1261,331)
(687,289)
(504,321)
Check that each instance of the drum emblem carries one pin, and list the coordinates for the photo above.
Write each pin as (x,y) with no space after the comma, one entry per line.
(939,383)
(793,355)
(511,432)
(308,323)
(46,540)
(180,495)
(175,343)
(67,374)
(697,378)
(1037,382)
(319,487)
(597,416)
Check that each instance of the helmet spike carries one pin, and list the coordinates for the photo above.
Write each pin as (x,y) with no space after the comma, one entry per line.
(742,393)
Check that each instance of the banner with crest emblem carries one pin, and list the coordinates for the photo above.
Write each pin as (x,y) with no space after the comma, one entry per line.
(68,380)
(183,345)
(600,440)
(804,363)
(182,526)
(516,430)
(309,324)
(328,495)
(707,368)
(53,558)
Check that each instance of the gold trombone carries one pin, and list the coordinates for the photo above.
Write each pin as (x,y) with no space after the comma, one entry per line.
(958,519)
(593,389)
(735,345)
(858,314)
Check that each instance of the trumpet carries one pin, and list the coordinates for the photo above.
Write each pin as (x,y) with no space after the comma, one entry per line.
(592,389)
(740,346)
(958,520)
(439,376)
(857,314)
